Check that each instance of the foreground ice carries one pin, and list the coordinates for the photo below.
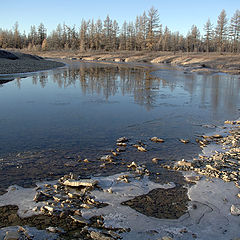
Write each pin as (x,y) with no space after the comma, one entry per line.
(208,216)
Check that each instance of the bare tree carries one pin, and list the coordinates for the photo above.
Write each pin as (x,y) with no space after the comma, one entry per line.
(83,36)
(208,36)
(234,31)
(42,33)
(221,30)
(152,27)
(16,36)
(145,33)
(98,37)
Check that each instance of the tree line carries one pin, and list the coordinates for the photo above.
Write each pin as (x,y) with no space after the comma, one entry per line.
(145,33)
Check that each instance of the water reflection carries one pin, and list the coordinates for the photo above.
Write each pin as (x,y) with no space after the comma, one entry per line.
(220,91)
(88,106)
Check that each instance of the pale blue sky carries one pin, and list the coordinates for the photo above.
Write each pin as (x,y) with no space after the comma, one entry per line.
(176,14)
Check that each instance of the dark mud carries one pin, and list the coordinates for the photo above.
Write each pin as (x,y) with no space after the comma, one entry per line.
(70,229)
(161,203)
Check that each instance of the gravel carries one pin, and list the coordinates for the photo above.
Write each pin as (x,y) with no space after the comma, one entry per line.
(24,63)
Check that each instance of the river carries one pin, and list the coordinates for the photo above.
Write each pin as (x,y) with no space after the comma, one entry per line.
(58,118)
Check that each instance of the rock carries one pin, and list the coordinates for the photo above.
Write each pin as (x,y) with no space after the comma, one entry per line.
(41,196)
(121,144)
(192,178)
(80,183)
(122,140)
(99,236)
(132,165)
(106,158)
(156,139)
(166,238)
(55,230)
(123,178)
(136,145)
(211,168)
(229,122)
(184,163)
(109,190)
(58,198)
(217,136)
(140,170)
(12,235)
(141,149)
(235,209)
(114,235)
(206,136)
(156,160)
(49,209)
(118,60)
(115,153)
(70,164)
(25,232)
(80,219)
(121,149)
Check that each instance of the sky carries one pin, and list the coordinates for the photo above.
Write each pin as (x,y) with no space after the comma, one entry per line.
(178,15)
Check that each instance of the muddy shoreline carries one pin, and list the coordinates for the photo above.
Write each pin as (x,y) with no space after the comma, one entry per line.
(194,62)
(28,61)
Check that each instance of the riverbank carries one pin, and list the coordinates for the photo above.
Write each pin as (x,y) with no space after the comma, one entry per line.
(15,62)
(28,61)
(195,62)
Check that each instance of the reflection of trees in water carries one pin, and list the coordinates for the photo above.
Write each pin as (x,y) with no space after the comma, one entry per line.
(218,91)
(221,92)
(137,81)
(107,80)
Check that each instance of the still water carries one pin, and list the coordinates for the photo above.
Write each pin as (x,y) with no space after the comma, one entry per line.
(86,107)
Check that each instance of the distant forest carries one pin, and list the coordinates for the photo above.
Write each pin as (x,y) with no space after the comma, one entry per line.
(145,33)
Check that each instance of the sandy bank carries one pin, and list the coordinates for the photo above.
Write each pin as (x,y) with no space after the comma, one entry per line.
(14,62)
(196,62)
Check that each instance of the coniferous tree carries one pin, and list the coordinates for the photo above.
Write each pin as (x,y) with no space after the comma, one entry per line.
(144,34)
(83,36)
(16,36)
(152,27)
(221,30)
(208,36)
(123,37)
(234,31)
(98,36)
(42,33)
